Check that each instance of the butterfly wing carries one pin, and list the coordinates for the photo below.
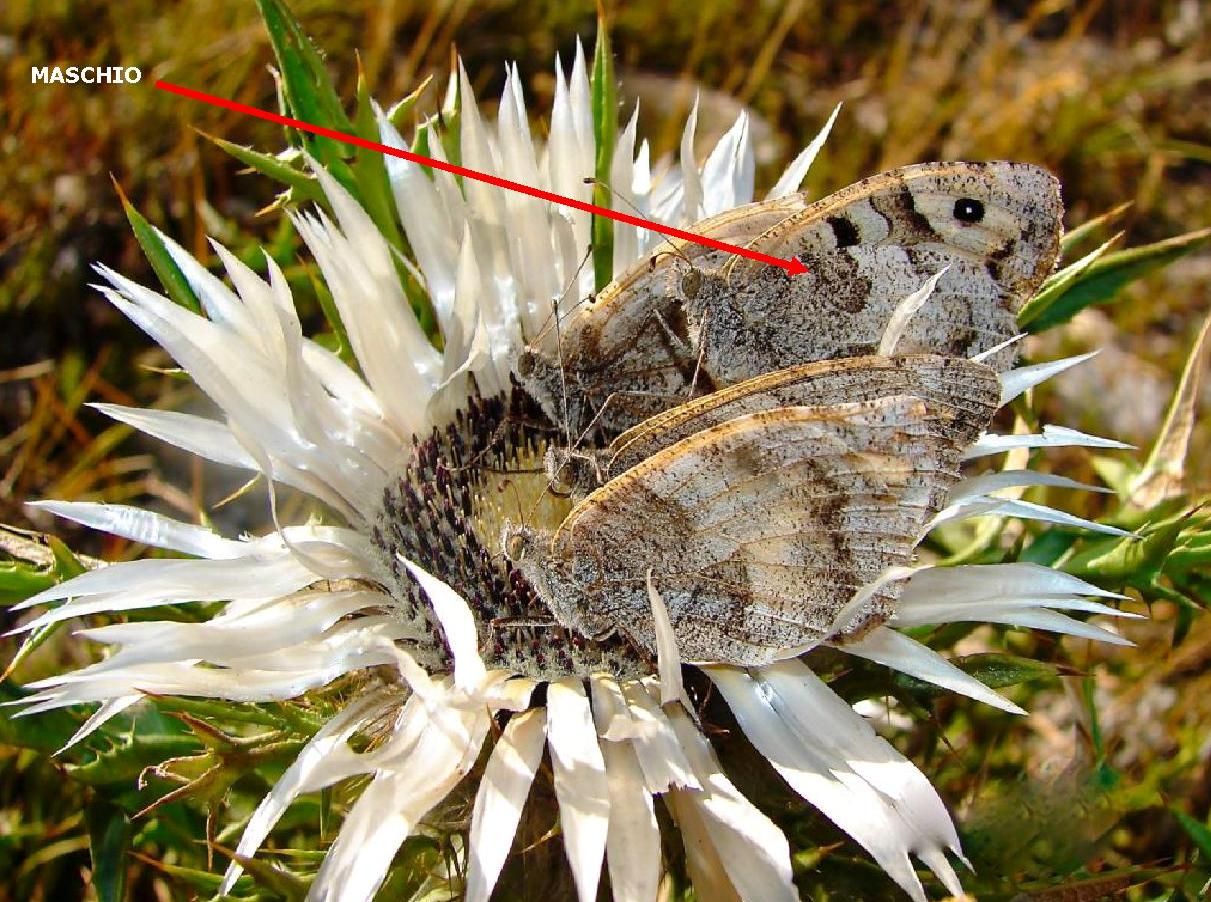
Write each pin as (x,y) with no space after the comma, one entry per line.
(995,225)
(969,389)
(757,530)
(633,337)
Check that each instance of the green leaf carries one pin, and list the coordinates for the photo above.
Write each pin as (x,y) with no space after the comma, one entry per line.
(1130,560)
(109,835)
(20,579)
(122,764)
(279,881)
(997,670)
(303,187)
(1058,283)
(67,565)
(307,89)
(398,114)
(1165,469)
(1089,227)
(605,131)
(46,732)
(1196,830)
(166,269)
(1100,280)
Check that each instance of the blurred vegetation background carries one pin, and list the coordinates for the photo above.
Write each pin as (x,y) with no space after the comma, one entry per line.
(1115,97)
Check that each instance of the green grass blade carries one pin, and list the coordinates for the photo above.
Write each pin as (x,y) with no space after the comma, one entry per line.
(605,131)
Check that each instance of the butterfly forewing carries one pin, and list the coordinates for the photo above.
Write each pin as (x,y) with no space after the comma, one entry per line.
(657,336)
(994,228)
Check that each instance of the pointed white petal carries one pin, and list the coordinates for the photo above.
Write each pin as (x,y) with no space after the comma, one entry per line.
(796,172)
(458,625)
(821,774)
(633,841)
(727,175)
(499,801)
(987,483)
(329,742)
(902,653)
(705,867)
(390,807)
(144,526)
(749,845)
(197,435)
(668,657)
(983,506)
(691,183)
(661,758)
(1052,437)
(1016,381)
(1044,619)
(580,782)
(900,317)
(109,709)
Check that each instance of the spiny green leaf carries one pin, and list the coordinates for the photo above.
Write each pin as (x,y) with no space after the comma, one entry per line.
(109,835)
(997,670)
(122,763)
(398,114)
(1101,280)
(304,187)
(165,267)
(20,579)
(605,131)
(1116,561)
(307,88)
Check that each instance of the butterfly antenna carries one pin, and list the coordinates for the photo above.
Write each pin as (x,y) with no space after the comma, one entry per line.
(614,195)
(552,321)
(670,252)
(563,376)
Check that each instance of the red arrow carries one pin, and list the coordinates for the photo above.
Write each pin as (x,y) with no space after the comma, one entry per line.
(793,266)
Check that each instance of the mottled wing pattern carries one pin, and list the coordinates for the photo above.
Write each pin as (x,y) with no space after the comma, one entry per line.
(757,530)
(633,337)
(970,389)
(995,225)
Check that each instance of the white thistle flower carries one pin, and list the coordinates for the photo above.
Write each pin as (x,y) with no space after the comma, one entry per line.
(409,589)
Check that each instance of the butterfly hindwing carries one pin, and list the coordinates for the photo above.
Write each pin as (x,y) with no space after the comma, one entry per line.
(757,530)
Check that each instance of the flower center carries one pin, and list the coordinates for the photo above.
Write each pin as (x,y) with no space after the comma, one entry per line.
(447,513)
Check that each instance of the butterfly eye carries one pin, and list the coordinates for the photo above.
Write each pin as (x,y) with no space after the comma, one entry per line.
(515,545)
(527,362)
(968,209)
(691,283)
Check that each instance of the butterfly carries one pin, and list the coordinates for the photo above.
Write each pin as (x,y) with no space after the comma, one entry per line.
(693,319)
(761,510)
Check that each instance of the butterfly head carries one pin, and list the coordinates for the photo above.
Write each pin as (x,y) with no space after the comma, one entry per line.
(571,472)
